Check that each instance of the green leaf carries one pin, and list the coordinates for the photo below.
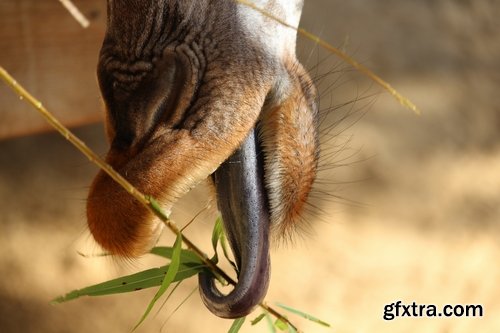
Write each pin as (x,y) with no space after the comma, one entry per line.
(169,277)
(270,323)
(304,315)
(237,323)
(216,234)
(281,325)
(259,318)
(142,280)
(155,205)
(218,230)
(291,329)
(225,250)
(187,256)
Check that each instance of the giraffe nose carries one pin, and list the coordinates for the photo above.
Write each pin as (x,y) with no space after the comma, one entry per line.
(243,203)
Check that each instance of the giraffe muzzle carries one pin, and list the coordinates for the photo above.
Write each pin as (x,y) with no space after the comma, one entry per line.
(184,84)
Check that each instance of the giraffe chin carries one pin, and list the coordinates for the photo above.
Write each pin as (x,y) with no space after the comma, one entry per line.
(243,203)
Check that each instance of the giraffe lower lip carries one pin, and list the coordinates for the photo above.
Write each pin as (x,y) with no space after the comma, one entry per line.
(242,201)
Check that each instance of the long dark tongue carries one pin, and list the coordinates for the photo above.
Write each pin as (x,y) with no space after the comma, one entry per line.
(243,203)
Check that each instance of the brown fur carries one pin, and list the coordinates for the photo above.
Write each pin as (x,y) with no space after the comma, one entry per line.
(291,148)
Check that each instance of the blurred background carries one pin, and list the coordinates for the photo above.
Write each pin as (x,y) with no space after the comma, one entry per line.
(407,207)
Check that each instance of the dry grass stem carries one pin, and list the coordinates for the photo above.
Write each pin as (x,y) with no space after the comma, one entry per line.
(341,54)
(75,12)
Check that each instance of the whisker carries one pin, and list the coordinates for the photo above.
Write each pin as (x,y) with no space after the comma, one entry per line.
(194,218)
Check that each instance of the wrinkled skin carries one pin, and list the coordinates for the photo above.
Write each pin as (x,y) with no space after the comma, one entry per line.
(206,89)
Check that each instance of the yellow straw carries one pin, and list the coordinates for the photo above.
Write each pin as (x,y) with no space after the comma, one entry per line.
(344,56)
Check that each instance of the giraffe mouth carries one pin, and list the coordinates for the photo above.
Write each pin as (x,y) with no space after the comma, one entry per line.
(242,200)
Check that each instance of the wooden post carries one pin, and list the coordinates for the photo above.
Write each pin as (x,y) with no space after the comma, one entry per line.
(50,53)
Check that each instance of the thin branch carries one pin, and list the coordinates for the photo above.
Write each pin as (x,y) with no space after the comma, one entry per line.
(75,12)
(341,54)
(278,315)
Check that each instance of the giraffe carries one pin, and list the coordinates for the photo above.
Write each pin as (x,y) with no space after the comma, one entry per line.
(206,89)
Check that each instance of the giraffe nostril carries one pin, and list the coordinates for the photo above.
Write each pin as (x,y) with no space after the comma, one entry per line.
(140,96)
(122,140)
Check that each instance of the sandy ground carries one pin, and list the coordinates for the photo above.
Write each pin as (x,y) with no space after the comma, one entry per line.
(413,216)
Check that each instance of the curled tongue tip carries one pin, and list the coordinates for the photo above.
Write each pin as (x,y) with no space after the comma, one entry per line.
(243,203)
